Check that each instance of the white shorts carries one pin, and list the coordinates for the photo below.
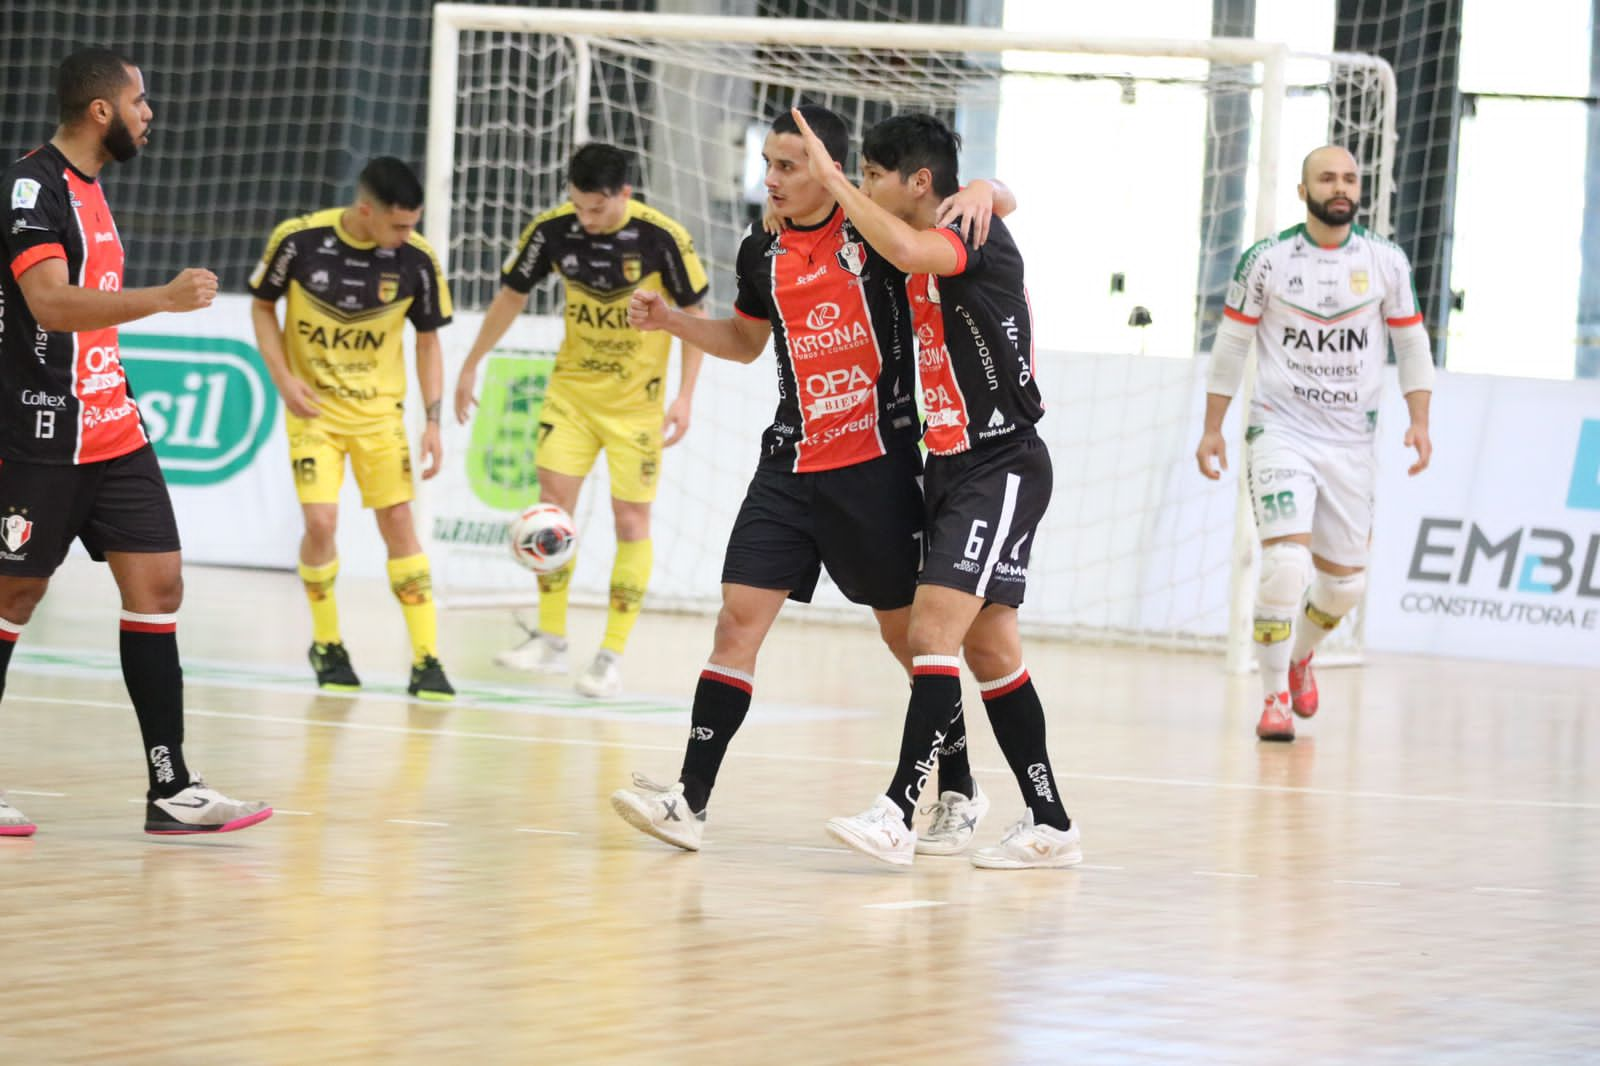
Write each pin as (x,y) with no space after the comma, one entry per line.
(1299,486)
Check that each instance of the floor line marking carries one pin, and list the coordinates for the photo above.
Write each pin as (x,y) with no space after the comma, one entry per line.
(548,832)
(1374,884)
(904,905)
(414,821)
(31,792)
(825,851)
(1092,866)
(821,760)
(1507,891)
(1224,873)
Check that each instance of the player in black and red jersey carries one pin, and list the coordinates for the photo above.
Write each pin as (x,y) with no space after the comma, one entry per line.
(987,485)
(836,485)
(75,459)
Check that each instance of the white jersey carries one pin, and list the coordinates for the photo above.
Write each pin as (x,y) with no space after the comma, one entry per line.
(1320,316)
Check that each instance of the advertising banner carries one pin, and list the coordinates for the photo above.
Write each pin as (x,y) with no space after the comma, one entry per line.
(1494,551)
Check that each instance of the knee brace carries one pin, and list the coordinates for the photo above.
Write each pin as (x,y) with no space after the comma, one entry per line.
(1286,570)
(1332,597)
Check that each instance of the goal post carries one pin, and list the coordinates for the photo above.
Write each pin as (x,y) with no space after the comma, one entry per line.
(1135,546)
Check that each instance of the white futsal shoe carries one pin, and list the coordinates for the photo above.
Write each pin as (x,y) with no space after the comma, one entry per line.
(661,811)
(955,820)
(603,679)
(539,654)
(201,809)
(1027,846)
(879,831)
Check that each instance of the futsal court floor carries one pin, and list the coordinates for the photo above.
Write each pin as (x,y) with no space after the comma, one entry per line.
(1416,879)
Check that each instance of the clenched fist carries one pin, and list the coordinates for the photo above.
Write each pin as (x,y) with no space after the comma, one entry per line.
(647,310)
(191,290)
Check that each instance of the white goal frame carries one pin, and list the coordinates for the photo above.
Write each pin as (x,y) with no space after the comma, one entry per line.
(450,20)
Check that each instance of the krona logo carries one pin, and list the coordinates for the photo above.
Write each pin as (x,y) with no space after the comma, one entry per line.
(822,316)
(206,401)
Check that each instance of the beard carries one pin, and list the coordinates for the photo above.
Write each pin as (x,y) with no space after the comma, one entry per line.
(1341,216)
(119,140)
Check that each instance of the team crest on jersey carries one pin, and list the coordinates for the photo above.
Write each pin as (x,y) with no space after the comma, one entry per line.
(15,531)
(632,269)
(1358,282)
(388,287)
(853,257)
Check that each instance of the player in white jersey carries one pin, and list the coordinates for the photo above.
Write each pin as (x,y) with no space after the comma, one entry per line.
(1322,301)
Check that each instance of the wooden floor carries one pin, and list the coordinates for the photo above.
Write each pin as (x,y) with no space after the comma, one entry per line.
(1416,879)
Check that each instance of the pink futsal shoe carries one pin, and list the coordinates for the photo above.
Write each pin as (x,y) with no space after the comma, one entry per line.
(1275,722)
(1303,688)
(13,823)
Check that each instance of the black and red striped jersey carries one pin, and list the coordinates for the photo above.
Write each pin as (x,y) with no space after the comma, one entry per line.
(841,329)
(63,396)
(975,346)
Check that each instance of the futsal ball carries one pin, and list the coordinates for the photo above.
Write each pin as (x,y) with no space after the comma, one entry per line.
(543,538)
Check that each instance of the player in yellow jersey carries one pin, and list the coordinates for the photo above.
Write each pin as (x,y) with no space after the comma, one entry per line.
(353,277)
(606,391)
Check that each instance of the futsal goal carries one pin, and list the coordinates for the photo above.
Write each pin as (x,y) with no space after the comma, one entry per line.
(1144,167)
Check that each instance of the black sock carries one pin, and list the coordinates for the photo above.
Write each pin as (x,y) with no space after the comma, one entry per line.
(1018,720)
(934,709)
(721,700)
(955,769)
(150,669)
(9,632)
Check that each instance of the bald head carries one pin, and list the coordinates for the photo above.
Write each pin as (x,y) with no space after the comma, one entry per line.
(1330,184)
(1330,157)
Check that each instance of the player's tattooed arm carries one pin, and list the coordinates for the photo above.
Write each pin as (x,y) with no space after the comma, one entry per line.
(430,376)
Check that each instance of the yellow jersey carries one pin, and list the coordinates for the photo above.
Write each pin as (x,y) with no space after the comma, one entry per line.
(348,304)
(604,363)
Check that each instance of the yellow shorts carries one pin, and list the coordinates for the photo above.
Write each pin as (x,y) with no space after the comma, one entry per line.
(571,436)
(380,457)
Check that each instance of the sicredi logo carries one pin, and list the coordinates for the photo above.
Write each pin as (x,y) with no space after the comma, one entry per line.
(1545,560)
(206,401)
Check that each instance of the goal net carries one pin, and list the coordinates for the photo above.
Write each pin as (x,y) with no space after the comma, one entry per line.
(1143,170)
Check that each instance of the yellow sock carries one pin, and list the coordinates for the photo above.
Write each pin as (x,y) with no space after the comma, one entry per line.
(629,576)
(324,608)
(553,600)
(412,583)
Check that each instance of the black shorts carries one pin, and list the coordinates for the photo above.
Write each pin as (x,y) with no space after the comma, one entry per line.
(863,522)
(983,509)
(119,505)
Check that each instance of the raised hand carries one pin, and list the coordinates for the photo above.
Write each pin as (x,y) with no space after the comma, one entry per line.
(821,164)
